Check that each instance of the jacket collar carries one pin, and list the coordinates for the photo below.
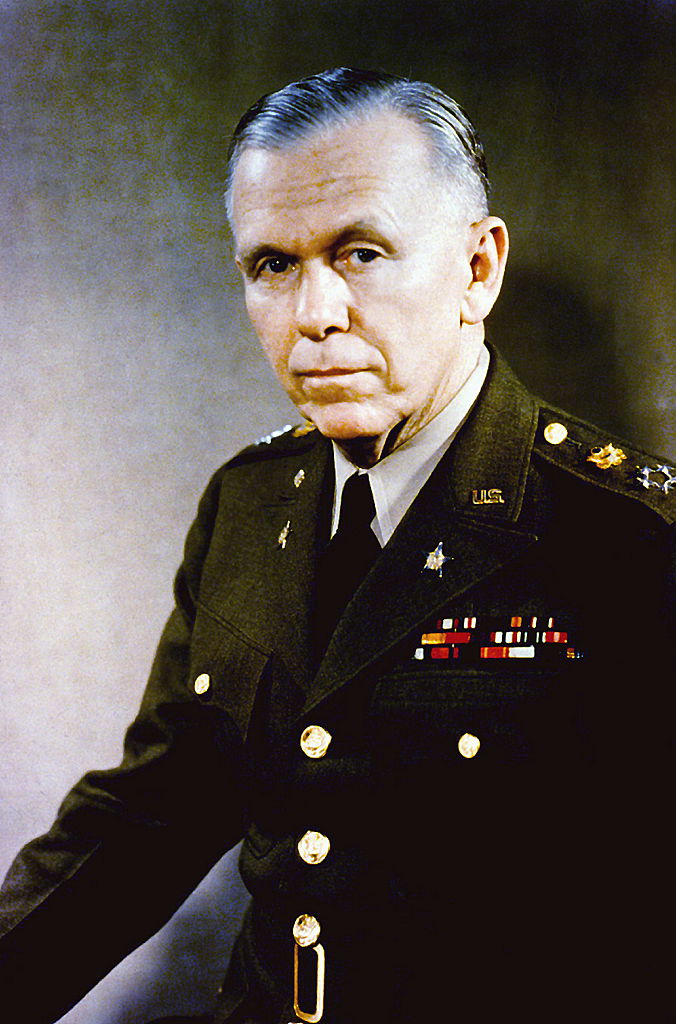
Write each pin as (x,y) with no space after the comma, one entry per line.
(472,505)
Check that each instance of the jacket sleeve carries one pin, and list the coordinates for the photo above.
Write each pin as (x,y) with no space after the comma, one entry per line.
(129,844)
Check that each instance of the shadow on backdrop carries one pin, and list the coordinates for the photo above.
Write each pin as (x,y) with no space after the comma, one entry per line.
(555,340)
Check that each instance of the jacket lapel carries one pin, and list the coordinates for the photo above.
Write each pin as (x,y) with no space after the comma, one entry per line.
(491,454)
(290,588)
(265,568)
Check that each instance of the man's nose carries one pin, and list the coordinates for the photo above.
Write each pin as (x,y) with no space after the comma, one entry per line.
(322,305)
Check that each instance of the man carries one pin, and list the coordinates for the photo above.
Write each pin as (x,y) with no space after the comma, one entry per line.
(418,657)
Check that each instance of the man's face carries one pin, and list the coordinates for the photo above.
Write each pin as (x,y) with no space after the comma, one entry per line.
(355,261)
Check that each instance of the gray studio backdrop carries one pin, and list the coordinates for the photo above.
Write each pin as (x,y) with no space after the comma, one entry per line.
(129,371)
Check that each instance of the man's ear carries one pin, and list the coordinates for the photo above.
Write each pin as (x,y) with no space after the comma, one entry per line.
(488,248)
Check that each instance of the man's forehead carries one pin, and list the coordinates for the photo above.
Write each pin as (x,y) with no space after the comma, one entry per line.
(374,147)
(266,178)
(338,211)
(357,170)
(360,138)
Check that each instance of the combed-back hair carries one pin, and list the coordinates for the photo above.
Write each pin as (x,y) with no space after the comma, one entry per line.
(279,119)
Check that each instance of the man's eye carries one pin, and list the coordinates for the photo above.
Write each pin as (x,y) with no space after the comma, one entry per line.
(362,255)
(275,265)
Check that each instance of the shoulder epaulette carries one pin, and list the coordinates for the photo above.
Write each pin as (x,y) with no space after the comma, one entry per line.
(585,451)
(300,430)
(268,438)
(283,441)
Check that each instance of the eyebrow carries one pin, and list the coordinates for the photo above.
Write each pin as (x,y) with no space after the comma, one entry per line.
(360,230)
(253,256)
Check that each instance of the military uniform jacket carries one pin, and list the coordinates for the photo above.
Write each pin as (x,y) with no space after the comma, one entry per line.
(495,789)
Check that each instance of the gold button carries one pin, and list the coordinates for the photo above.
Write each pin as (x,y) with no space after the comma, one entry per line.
(555,433)
(306,930)
(313,847)
(202,683)
(314,741)
(468,745)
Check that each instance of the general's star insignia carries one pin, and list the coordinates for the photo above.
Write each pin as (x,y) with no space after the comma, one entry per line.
(269,438)
(645,479)
(435,559)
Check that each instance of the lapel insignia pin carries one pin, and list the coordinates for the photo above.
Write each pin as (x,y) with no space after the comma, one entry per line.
(492,496)
(299,477)
(435,560)
(284,535)
(606,457)
(645,478)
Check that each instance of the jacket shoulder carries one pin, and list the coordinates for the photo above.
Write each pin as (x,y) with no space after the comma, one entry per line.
(243,479)
(600,460)
(287,440)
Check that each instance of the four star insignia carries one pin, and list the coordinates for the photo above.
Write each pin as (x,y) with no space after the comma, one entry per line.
(646,479)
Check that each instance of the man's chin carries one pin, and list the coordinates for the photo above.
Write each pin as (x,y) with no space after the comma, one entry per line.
(346,424)
(361,434)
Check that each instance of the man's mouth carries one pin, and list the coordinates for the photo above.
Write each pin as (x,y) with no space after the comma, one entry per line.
(334,371)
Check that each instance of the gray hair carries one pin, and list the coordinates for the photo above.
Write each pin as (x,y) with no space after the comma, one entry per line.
(281,118)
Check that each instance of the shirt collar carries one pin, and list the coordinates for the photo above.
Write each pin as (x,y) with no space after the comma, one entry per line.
(396,480)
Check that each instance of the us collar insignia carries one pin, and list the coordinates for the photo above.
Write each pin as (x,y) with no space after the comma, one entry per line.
(435,560)
(488,496)
(606,457)
(645,478)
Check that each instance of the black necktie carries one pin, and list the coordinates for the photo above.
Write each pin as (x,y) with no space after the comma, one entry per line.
(348,557)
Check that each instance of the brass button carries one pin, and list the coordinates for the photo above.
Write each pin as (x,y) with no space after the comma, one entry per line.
(314,741)
(306,930)
(555,433)
(202,683)
(468,745)
(313,847)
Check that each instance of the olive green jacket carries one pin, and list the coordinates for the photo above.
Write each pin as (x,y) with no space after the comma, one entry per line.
(495,788)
